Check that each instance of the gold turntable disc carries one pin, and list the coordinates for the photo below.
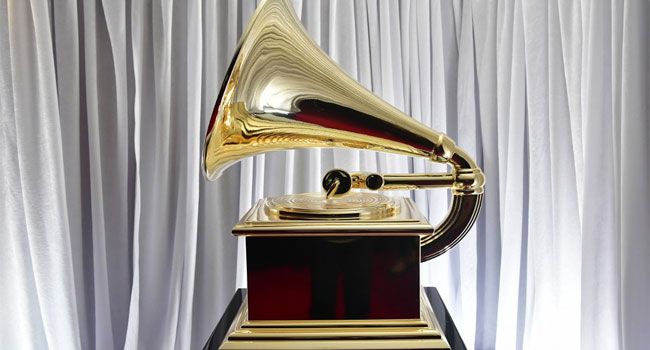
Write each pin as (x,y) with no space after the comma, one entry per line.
(314,206)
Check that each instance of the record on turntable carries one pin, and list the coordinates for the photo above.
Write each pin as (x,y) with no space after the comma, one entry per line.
(357,213)
(315,206)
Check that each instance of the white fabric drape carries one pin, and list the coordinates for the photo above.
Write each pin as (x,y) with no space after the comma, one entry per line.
(110,238)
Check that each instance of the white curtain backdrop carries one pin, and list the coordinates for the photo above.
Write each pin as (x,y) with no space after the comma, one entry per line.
(110,238)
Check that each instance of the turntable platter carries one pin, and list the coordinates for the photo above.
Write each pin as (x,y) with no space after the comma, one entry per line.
(314,206)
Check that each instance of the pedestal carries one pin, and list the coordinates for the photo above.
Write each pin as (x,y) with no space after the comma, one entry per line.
(329,281)
(443,318)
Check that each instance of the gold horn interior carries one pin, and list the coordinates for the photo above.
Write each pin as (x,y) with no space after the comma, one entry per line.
(282,91)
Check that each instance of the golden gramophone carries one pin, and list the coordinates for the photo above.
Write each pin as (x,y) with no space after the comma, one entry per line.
(336,269)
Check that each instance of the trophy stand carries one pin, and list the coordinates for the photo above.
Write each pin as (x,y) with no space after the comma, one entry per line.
(339,273)
(341,269)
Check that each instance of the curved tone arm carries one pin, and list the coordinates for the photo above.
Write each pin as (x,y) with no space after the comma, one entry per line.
(464,208)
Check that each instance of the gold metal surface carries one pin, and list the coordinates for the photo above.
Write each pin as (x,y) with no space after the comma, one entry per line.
(401,181)
(316,206)
(283,92)
(422,333)
(260,221)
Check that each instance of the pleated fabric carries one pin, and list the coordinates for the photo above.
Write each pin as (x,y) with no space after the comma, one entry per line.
(110,238)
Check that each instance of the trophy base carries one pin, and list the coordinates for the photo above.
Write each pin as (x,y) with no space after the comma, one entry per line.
(422,333)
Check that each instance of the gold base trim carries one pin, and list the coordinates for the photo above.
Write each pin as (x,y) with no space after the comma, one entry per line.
(423,333)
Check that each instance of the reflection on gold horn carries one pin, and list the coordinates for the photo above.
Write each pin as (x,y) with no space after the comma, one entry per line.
(283,92)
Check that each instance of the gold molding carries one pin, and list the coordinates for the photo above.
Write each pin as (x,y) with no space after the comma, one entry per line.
(408,221)
(423,333)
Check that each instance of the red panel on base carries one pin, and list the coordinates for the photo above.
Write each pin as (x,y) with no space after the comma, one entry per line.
(302,278)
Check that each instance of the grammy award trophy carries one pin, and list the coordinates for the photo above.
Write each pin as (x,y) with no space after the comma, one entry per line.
(336,269)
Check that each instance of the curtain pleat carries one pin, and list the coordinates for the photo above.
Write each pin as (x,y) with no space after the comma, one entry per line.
(38,289)
(112,239)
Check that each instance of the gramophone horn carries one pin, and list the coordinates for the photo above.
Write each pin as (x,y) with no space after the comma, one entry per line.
(282,91)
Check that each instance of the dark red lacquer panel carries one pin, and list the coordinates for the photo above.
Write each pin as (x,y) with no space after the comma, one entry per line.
(302,278)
